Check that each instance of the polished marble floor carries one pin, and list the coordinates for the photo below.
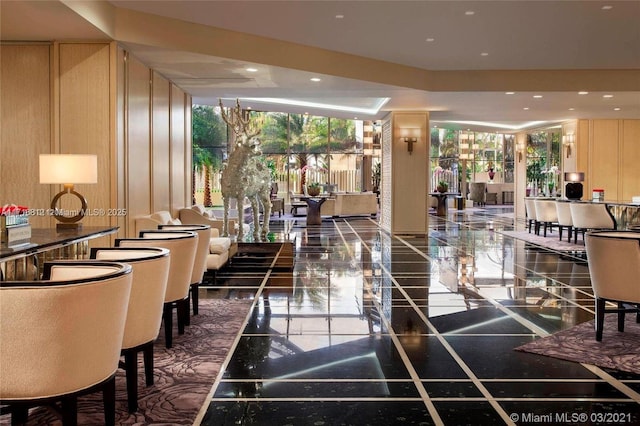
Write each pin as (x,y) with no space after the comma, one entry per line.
(371,329)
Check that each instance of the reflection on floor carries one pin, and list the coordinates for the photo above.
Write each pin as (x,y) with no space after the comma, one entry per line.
(381,330)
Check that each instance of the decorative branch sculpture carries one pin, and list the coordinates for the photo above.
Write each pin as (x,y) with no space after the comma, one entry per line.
(244,175)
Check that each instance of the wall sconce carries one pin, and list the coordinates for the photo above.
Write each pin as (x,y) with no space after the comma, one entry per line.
(520,151)
(410,136)
(573,187)
(68,169)
(568,141)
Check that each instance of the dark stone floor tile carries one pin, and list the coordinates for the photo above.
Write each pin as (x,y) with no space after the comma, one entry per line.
(352,389)
(430,359)
(479,321)
(531,389)
(366,413)
(452,389)
(471,413)
(495,357)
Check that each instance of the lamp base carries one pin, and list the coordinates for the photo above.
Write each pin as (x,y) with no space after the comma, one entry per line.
(573,190)
(68,226)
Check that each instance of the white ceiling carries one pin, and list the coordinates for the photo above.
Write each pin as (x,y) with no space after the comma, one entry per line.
(520,36)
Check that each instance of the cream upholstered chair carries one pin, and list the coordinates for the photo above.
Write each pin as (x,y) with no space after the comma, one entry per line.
(144,315)
(478,192)
(61,337)
(546,214)
(182,246)
(590,216)
(530,208)
(199,260)
(563,210)
(614,268)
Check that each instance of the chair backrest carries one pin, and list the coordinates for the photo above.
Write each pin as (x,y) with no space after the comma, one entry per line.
(591,216)
(182,246)
(563,210)
(478,192)
(150,274)
(202,250)
(530,207)
(63,335)
(546,210)
(614,264)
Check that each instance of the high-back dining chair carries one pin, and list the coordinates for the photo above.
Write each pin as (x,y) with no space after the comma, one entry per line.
(546,214)
(530,208)
(563,210)
(614,268)
(61,337)
(182,246)
(199,260)
(144,314)
(590,216)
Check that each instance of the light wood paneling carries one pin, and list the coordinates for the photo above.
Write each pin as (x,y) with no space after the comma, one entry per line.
(138,142)
(603,158)
(119,156)
(84,84)
(178,172)
(26,126)
(630,159)
(160,144)
(188,158)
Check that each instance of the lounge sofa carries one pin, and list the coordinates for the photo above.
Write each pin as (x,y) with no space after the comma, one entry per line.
(199,214)
(350,204)
(221,249)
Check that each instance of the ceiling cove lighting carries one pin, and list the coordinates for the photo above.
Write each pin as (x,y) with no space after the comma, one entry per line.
(500,125)
(374,110)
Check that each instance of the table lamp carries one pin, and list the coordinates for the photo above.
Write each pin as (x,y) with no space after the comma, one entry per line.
(573,186)
(68,169)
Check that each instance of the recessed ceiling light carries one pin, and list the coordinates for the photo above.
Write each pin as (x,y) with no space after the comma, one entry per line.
(537,96)
(248,107)
(583,93)
(469,12)
(316,79)
(571,109)
(526,108)
(339,16)
(251,69)
(484,54)
(430,39)
(607,96)
(607,7)
(617,109)
(355,118)
(509,93)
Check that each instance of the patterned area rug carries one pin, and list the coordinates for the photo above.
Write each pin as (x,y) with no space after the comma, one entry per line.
(618,351)
(550,241)
(183,374)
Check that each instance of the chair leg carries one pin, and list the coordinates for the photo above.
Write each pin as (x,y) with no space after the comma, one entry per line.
(621,315)
(599,318)
(131,372)
(560,232)
(109,397)
(181,306)
(195,297)
(167,317)
(147,353)
(638,314)
(69,408)
(19,414)
(569,234)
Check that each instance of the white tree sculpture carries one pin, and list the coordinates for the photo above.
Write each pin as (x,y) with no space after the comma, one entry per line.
(245,175)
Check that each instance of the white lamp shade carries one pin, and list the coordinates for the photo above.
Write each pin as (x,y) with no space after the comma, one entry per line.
(68,168)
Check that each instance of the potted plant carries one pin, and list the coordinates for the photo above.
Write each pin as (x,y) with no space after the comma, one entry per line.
(375,177)
(443,186)
(313,189)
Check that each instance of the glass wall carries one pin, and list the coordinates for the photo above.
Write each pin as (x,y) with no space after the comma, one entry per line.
(484,157)
(543,163)
(298,148)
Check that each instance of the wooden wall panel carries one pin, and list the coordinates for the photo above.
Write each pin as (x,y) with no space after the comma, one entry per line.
(603,158)
(26,126)
(178,172)
(119,156)
(84,108)
(138,144)
(629,160)
(160,144)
